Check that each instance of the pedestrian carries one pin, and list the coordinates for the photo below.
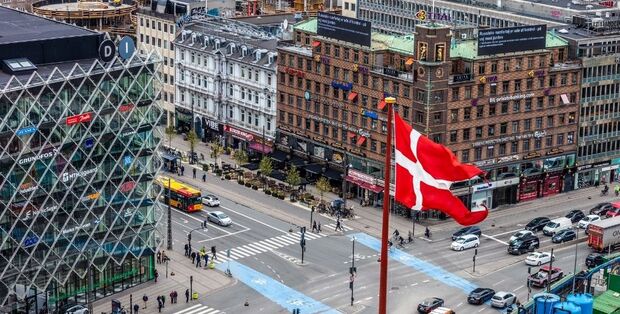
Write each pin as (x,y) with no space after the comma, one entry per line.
(159,305)
(176,297)
(186,249)
(319,227)
(158,257)
(314,227)
(204,177)
(182,170)
(213,252)
(163,301)
(338,225)
(206,260)
(186,295)
(199,260)
(156,275)
(136,307)
(171,297)
(194,172)
(145,298)
(159,299)
(164,257)
(193,255)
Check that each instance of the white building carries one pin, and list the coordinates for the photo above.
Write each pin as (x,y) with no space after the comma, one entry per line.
(226,80)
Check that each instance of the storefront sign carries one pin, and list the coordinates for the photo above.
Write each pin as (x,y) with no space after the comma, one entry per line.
(78,174)
(34,212)
(614,167)
(336,157)
(325,60)
(26,131)
(390,72)
(461,78)
(30,241)
(213,125)
(488,79)
(27,188)
(87,225)
(46,155)
(80,118)
(531,155)
(125,108)
(90,197)
(493,100)
(239,133)
(319,139)
(127,160)
(362,176)
(343,86)
(337,145)
(371,114)
(295,72)
(594,165)
(537,134)
(89,143)
(555,151)
(537,73)
(507,182)
(483,186)
(423,15)
(359,68)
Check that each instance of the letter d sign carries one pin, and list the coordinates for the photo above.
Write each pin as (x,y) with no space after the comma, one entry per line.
(107,50)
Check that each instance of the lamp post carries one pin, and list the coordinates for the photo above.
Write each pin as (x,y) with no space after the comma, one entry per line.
(352,271)
(344,180)
(169,246)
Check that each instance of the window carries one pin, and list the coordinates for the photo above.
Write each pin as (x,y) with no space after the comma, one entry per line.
(537,143)
(528,105)
(481,68)
(570,137)
(491,130)
(455,93)
(465,155)
(505,86)
(467,113)
(571,118)
(493,89)
(563,79)
(480,111)
(505,108)
(549,141)
(453,136)
(437,117)
(490,151)
(529,84)
(466,134)
(419,117)
(526,145)
(503,128)
(552,81)
(539,122)
(477,153)
(560,139)
(549,121)
(454,115)
(480,90)
(514,147)
(478,132)
(494,67)
(516,106)
(165,28)
(467,92)
(336,51)
(506,65)
(517,85)
(515,126)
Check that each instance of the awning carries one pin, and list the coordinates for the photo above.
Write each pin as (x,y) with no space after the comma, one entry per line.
(278,155)
(409,61)
(381,105)
(363,184)
(314,168)
(361,140)
(316,43)
(333,174)
(565,99)
(352,96)
(259,147)
(169,157)
(297,162)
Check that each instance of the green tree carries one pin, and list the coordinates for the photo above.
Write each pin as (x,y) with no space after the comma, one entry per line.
(240,157)
(323,186)
(266,167)
(192,138)
(170,132)
(292,177)
(216,151)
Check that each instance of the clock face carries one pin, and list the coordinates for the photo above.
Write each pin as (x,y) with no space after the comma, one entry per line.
(439,73)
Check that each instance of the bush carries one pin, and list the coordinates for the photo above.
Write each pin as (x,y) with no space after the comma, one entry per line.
(267,191)
(248,184)
(254,187)
(281,196)
(218,172)
(227,177)
(240,181)
(205,167)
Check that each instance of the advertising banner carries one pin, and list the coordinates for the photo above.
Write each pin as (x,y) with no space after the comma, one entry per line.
(344,28)
(511,39)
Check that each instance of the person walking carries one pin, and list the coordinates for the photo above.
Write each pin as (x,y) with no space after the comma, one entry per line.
(338,225)
(171,297)
(314,227)
(186,250)
(213,251)
(159,304)
(193,256)
(145,298)
(204,177)
(158,257)
(319,228)
(186,295)
(163,301)
(194,173)
(199,260)
(156,275)
(206,260)
(136,307)
(182,170)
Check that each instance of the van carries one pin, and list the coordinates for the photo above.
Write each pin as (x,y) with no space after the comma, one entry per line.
(557,225)
(442,310)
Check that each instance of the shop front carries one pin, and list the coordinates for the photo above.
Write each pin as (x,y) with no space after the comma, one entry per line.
(212,130)
(505,191)
(364,185)
(183,118)
(530,186)
(593,174)
(248,141)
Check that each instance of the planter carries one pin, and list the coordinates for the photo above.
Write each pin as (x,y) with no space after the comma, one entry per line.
(248,184)
(205,167)
(240,182)
(281,197)
(227,177)
(254,187)
(268,192)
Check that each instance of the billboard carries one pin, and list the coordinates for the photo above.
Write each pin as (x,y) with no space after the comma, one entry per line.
(511,39)
(344,28)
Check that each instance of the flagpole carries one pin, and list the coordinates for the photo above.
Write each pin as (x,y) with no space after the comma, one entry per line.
(386,211)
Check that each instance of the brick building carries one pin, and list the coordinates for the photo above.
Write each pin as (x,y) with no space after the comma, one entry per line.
(513,114)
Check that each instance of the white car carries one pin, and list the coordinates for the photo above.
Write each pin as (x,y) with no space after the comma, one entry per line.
(211,200)
(77,309)
(502,299)
(520,235)
(538,258)
(465,242)
(583,223)
(219,218)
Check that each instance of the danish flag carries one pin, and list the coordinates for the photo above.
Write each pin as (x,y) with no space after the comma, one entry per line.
(424,172)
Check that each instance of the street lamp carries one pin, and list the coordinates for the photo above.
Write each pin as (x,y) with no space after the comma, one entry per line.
(344,180)
(169,246)
(352,270)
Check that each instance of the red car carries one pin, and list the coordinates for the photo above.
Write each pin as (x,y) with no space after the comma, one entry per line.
(614,211)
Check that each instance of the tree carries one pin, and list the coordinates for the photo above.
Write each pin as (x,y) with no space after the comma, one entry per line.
(292,177)
(170,132)
(192,138)
(240,157)
(216,151)
(323,186)
(265,166)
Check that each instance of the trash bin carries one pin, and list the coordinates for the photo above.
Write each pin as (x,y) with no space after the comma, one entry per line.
(195,296)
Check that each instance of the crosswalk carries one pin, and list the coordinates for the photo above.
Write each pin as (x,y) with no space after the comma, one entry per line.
(199,309)
(332,227)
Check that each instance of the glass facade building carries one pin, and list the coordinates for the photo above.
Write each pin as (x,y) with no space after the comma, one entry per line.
(78,210)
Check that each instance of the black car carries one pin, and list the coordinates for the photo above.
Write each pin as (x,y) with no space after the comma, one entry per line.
(537,224)
(564,235)
(467,230)
(575,215)
(527,243)
(480,295)
(601,209)
(428,305)
(594,259)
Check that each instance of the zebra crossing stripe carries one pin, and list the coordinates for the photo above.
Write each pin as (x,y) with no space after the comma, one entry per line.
(189,309)
(312,236)
(273,243)
(265,245)
(251,248)
(282,242)
(235,255)
(287,240)
(198,309)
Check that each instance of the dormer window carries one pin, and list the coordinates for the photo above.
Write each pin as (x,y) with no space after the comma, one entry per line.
(217,44)
(258,56)
(244,51)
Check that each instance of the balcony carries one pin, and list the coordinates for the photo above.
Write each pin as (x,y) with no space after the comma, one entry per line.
(598,98)
(605,136)
(614,77)
(408,76)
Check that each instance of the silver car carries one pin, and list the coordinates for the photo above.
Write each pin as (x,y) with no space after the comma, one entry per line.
(219,218)
(211,200)
(503,299)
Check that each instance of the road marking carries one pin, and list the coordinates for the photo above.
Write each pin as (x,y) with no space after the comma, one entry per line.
(497,283)
(519,287)
(253,219)
(482,309)
(507,232)
(413,284)
(459,304)
(224,235)
(425,281)
(199,309)
(211,225)
(493,238)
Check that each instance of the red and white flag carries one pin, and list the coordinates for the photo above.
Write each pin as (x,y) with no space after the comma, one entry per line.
(424,172)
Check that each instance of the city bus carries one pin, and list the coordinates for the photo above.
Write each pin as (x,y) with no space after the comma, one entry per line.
(182,196)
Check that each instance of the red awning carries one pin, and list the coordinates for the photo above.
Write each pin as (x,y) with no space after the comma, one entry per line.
(352,96)
(361,140)
(381,104)
(259,147)
(316,43)
(364,184)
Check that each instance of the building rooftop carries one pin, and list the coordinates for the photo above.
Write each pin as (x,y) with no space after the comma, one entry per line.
(379,41)
(267,19)
(17,26)
(571,4)
(468,49)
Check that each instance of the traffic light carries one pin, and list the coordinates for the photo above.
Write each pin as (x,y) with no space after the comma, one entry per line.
(352,270)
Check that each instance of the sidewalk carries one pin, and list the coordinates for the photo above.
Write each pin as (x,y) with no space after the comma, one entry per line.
(205,281)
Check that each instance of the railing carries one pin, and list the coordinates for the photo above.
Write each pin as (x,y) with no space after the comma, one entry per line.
(392,72)
(601,78)
(601,136)
(602,97)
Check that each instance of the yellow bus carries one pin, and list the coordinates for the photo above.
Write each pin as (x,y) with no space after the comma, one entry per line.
(182,196)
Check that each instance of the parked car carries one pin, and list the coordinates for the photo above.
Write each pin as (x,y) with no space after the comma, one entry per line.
(219,218)
(601,209)
(613,212)
(545,276)
(575,215)
(480,295)
(564,235)
(520,235)
(583,223)
(429,304)
(503,299)
(442,310)
(557,225)
(467,230)
(528,243)
(538,258)
(465,242)
(211,200)
(594,259)
(537,223)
